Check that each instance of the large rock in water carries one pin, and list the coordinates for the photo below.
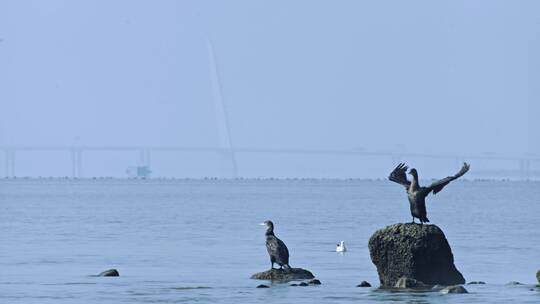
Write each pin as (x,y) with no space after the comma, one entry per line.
(415,251)
(284,275)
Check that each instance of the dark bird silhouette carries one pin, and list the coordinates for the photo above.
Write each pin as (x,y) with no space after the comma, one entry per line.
(276,248)
(417,194)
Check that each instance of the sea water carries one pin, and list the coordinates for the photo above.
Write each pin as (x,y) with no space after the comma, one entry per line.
(199,241)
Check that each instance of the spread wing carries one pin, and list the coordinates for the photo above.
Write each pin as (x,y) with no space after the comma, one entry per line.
(399,175)
(439,185)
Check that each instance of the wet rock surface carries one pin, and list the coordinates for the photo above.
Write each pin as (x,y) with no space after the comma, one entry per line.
(109,273)
(405,282)
(364,284)
(476,283)
(312,282)
(454,289)
(284,275)
(414,251)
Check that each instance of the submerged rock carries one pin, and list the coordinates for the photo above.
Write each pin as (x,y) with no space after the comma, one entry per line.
(476,283)
(303,284)
(315,282)
(109,273)
(364,284)
(262,286)
(512,283)
(414,251)
(454,289)
(405,282)
(284,275)
(437,287)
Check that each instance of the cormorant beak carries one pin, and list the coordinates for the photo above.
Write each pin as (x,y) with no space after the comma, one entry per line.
(262,224)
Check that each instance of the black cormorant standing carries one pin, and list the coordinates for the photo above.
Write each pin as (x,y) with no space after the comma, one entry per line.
(276,248)
(415,193)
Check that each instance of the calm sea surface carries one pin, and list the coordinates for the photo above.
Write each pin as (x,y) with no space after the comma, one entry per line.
(187,241)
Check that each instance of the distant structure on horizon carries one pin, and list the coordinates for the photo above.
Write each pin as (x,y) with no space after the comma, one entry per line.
(138,172)
(490,166)
(526,167)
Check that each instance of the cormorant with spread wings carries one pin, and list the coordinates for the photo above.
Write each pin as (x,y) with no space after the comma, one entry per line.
(416,193)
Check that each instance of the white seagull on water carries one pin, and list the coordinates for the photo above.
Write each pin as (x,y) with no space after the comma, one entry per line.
(341,247)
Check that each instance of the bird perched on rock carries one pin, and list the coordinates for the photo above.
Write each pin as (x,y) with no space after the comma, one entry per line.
(276,248)
(417,194)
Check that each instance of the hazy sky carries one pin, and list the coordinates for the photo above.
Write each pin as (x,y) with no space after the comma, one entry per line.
(420,76)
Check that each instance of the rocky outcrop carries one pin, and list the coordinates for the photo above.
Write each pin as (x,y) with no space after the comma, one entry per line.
(477,283)
(109,273)
(405,282)
(312,282)
(284,275)
(414,251)
(364,284)
(454,289)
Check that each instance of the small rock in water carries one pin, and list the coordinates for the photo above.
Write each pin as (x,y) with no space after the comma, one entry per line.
(476,283)
(303,284)
(263,286)
(315,282)
(514,283)
(364,284)
(454,289)
(293,284)
(109,273)
(405,282)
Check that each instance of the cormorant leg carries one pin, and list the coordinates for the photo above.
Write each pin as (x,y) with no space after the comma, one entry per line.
(272,267)
(413,220)
(280,267)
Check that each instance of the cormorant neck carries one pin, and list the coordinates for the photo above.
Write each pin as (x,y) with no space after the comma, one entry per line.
(414,181)
(269,232)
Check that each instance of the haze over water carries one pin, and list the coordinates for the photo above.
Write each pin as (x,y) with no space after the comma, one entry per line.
(263,87)
(445,77)
(170,238)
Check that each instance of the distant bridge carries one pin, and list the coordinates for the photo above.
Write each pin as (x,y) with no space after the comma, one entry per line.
(227,149)
(523,163)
